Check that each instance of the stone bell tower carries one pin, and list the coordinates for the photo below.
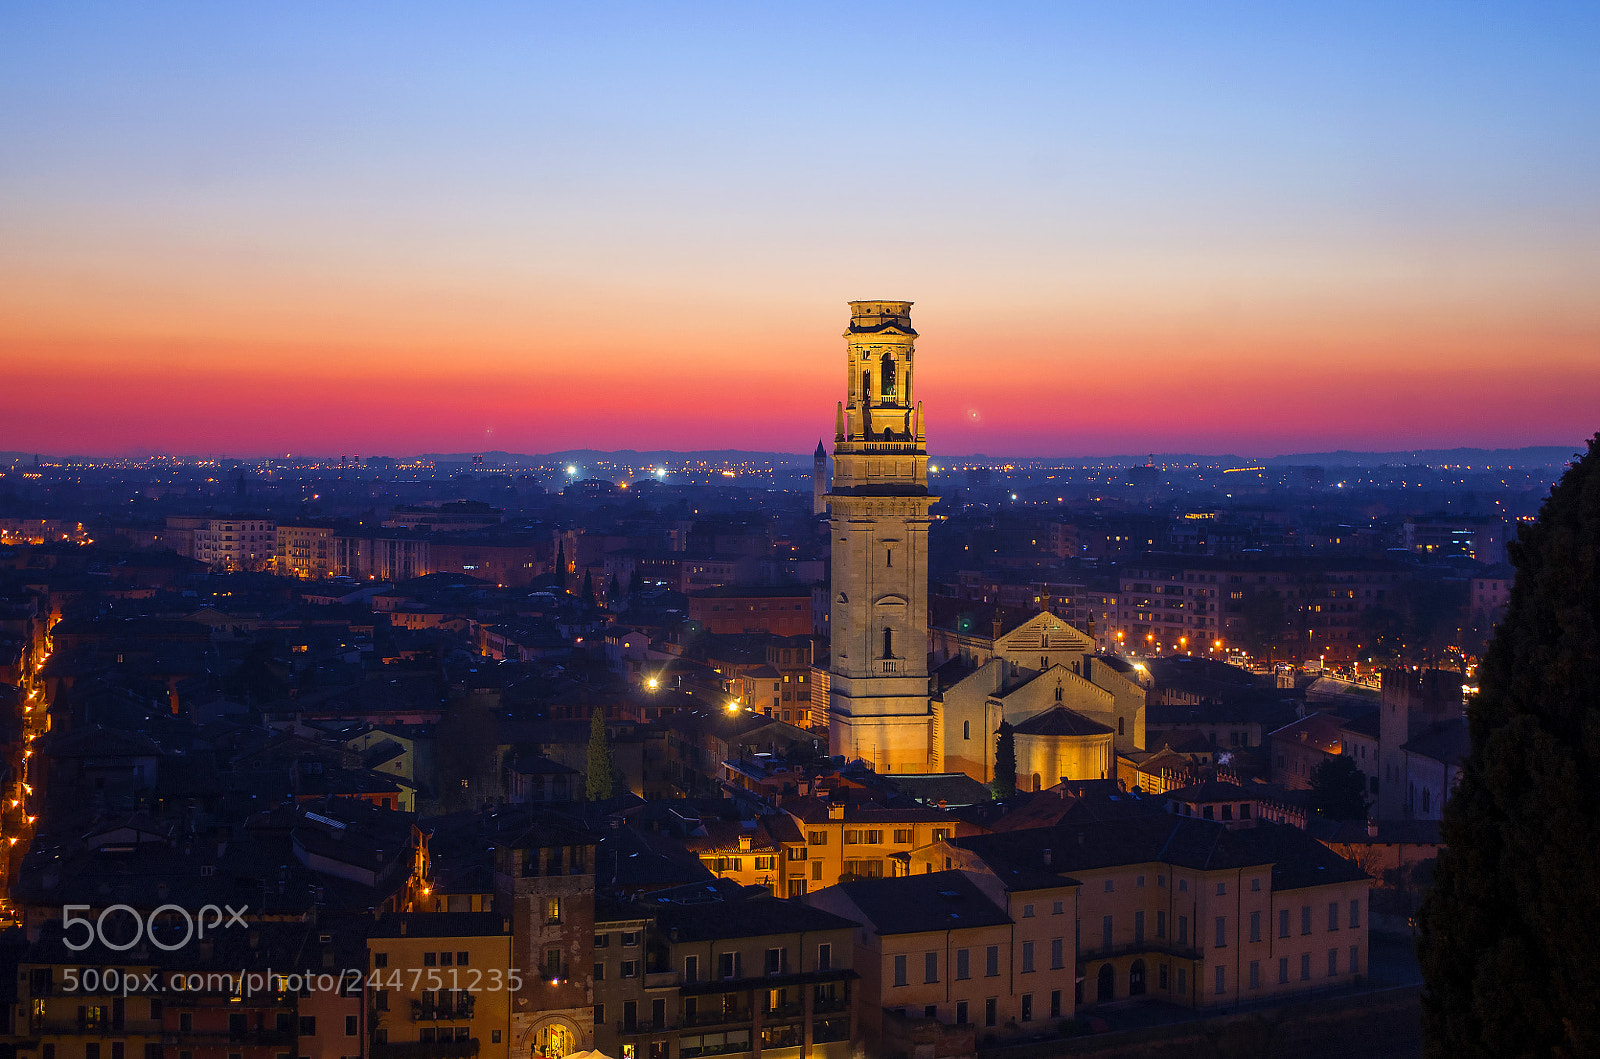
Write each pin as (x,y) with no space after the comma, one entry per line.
(878,700)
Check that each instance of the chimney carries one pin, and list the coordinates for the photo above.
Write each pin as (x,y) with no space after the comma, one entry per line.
(835,812)
(1372,829)
(1046,854)
(996,626)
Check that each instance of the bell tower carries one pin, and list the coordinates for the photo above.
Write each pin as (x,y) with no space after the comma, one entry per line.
(878,700)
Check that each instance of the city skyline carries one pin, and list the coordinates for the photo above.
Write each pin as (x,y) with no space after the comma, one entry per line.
(1149,229)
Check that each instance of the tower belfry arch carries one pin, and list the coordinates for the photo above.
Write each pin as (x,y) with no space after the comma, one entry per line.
(879,501)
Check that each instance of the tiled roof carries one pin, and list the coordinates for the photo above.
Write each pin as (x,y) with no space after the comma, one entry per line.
(1060,721)
(914,904)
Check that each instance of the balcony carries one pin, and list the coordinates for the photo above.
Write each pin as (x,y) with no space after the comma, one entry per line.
(643,1026)
(829,1005)
(660,979)
(423,1011)
(716,1018)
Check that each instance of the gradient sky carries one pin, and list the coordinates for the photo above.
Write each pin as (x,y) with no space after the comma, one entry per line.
(394,228)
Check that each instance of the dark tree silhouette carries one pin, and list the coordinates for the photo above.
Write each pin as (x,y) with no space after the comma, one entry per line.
(1005,762)
(1510,927)
(597,786)
(587,593)
(1339,789)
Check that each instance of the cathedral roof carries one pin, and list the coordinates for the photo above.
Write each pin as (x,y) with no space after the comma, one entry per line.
(1060,721)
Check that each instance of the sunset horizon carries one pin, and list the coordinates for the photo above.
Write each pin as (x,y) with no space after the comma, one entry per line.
(1149,229)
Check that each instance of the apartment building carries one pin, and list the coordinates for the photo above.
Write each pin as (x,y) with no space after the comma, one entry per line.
(960,949)
(844,840)
(234,544)
(443,981)
(1190,911)
(306,551)
(1305,607)
(709,970)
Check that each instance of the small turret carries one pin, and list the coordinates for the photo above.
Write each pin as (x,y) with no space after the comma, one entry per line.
(819,481)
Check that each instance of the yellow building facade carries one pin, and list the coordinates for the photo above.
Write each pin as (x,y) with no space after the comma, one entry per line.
(445,980)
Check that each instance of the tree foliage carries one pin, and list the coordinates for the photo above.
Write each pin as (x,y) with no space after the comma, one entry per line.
(1339,789)
(1510,927)
(464,754)
(1005,762)
(597,785)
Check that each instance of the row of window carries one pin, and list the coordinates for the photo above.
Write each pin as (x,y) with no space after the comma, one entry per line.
(730,965)
(429,959)
(1220,972)
(991,1006)
(963,961)
(903,836)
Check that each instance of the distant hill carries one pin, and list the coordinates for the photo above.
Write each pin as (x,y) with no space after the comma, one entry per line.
(629,456)
(1530,457)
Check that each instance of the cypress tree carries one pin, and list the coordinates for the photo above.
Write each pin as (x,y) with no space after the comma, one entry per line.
(561,565)
(1339,789)
(1510,929)
(587,595)
(597,782)
(1004,784)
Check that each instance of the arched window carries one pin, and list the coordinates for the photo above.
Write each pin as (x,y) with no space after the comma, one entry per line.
(887,377)
(1136,978)
(1120,728)
(1038,782)
(966,729)
(866,388)
(888,642)
(1106,986)
(1058,692)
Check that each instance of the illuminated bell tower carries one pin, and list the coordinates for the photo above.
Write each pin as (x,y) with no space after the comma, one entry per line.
(878,702)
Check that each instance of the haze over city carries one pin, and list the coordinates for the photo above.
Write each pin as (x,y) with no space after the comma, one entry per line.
(397,228)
